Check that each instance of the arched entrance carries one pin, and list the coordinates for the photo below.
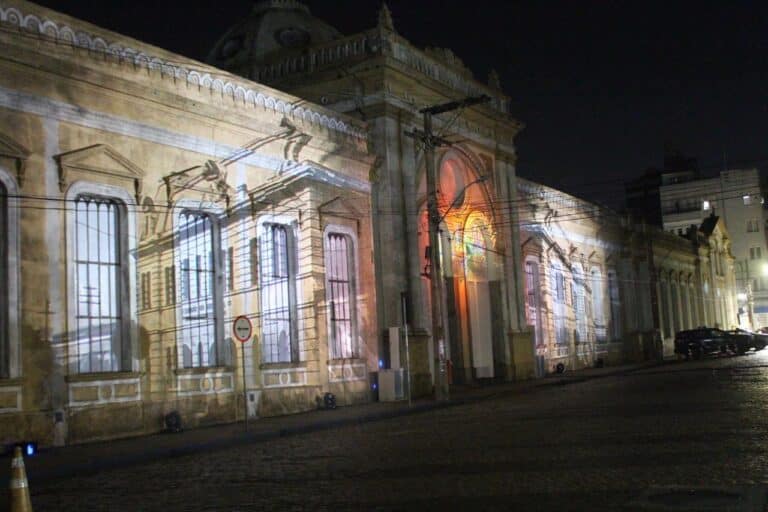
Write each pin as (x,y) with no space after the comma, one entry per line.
(471,271)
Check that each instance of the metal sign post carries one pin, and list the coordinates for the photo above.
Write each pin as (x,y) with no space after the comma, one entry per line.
(242,329)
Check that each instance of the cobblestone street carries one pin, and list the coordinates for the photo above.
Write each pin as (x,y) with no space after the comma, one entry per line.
(592,445)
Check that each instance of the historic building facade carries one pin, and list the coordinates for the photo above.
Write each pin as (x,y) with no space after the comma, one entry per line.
(602,287)
(380,77)
(146,201)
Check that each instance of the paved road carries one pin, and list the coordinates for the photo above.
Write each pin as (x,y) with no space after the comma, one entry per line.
(591,445)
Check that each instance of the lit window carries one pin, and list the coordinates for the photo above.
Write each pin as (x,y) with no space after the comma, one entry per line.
(579,303)
(100,335)
(705,205)
(597,305)
(558,299)
(340,294)
(199,293)
(278,295)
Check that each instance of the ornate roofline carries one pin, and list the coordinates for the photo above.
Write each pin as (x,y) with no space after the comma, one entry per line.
(239,92)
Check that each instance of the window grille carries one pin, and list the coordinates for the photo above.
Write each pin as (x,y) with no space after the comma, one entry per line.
(558,288)
(4,306)
(579,304)
(98,334)
(198,292)
(598,307)
(278,295)
(341,296)
(613,292)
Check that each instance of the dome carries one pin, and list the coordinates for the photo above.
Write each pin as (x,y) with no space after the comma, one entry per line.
(272,27)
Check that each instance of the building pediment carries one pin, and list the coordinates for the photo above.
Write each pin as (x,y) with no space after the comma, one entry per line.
(100,161)
(340,207)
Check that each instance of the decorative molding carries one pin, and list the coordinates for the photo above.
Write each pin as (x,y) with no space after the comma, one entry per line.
(238,92)
(106,392)
(11,149)
(340,207)
(346,372)
(15,392)
(99,159)
(284,378)
(209,179)
(69,113)
(205,383)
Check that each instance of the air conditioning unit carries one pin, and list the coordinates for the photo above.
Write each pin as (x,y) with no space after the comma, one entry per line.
(392,385)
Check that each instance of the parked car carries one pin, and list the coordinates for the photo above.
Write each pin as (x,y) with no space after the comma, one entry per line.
(740,341)
(698,342)
(747,340)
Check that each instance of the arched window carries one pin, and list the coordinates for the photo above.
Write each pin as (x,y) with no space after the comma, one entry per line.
(580,303)
(100,333)
(200,291)
(598,311)
(558,304)
(278,294)
(341,294)
(533,299)
(4,302)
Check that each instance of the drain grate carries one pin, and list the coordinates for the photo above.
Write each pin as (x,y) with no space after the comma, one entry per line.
(680,498)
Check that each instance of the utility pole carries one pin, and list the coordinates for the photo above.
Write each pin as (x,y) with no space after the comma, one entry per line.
(439,322)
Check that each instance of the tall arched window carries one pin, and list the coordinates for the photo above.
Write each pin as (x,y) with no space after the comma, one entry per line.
(558,304)
(580,303)
(278,294)
(533,299)
(4,306)
(598,311)
(100,334)
(341,294)
(200,291)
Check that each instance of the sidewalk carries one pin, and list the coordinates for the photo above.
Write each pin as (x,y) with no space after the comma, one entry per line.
(53,463)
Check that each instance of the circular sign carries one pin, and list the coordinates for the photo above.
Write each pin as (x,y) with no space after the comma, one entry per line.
(242,328)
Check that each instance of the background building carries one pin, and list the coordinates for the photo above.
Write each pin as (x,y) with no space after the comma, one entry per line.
(735,196)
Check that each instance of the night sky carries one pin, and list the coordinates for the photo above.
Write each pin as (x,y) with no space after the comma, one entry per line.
(602,87)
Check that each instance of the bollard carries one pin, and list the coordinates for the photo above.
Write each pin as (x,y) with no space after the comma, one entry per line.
(20,501)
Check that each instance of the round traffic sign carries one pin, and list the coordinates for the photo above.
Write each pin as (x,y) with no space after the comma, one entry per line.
(242,328)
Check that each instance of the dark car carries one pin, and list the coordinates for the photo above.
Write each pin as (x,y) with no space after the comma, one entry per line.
(745,340)
(698,342)
(740,341)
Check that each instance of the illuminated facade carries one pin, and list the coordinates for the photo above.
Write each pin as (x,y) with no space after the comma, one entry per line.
(601,288)
(383,79)
(146,200)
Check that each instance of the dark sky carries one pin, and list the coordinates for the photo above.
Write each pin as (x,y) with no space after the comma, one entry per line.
(601,86)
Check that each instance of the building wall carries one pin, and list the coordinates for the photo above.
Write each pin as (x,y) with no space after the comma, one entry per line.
(607,290)
(736,197)
(100,117)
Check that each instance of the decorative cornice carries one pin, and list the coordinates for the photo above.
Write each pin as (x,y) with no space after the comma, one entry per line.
(237,92)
